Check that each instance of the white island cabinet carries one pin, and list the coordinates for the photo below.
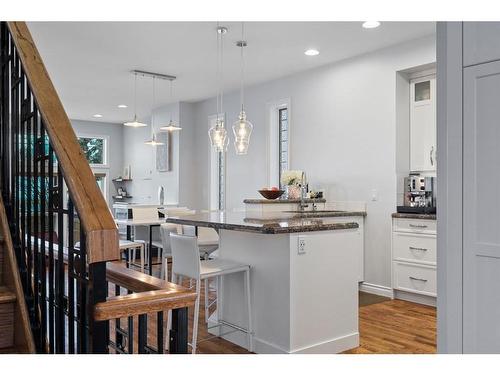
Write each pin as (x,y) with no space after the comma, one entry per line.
(304,288)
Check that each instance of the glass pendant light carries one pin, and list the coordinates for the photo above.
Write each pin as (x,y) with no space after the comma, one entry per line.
(242,128)
(218,133)
(172,126)
(135,123)
(153,141)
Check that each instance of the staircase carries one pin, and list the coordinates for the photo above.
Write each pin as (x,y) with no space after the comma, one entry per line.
(15,332)
(58,240)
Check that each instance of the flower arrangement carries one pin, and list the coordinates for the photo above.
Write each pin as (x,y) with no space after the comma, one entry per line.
(291,177)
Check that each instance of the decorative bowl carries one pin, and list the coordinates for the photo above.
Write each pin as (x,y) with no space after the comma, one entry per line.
(271,194)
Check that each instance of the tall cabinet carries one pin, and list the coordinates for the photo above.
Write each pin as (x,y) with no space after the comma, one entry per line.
(469,219)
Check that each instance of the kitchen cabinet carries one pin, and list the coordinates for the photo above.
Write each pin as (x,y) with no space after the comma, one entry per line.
(481,222)
(414,253)
(481,42)
(423,124)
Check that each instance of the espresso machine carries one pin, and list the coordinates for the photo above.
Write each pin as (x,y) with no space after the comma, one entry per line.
(419,195)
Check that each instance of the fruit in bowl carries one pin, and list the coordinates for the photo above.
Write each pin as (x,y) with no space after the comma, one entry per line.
(271,193)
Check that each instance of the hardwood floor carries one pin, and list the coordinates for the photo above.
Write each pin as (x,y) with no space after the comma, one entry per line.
(388,327)
(396,327)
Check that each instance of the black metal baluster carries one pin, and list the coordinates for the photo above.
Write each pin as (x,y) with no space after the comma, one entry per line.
(142,334)
(59,281)
(71,279)
(42,205)
(179,332)
(130,336)
(82,295)
(50,238)
(159,332)
(118,333)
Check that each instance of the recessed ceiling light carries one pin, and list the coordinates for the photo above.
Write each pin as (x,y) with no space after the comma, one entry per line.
(311,52)
(371,24)
(97,115)
(122,106)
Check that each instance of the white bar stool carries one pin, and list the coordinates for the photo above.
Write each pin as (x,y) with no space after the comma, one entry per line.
(131,246)
(186,262)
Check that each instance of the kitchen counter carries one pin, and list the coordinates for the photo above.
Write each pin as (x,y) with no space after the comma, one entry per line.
(270,223)
(304,275)
(283,201)
(414,216)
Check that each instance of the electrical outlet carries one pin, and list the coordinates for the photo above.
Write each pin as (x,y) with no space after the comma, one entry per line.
(302,246)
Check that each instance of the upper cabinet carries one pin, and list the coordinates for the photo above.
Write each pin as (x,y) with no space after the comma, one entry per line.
(481,42)
(423,124)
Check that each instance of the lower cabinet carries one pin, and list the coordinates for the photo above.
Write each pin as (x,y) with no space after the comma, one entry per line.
(414,260)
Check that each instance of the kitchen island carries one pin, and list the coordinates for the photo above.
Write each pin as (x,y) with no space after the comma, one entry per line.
(304,287)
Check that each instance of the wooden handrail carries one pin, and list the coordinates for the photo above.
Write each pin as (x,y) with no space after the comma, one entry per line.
(98,223)
(151,295)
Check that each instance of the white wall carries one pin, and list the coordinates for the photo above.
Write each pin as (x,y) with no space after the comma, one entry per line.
(114,134)
(142,159)
(343,134)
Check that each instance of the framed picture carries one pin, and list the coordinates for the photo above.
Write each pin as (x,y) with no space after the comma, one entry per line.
(163,159)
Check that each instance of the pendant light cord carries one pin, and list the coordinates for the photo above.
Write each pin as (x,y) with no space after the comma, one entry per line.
(217,74)
(152,112)
(171,96)
(135,96)
(242,76)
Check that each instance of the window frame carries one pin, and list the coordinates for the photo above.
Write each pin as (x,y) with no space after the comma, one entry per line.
(273,138)
(105,138)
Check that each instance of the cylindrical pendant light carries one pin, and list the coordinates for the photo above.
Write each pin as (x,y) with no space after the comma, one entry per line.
(135,123)
(242,128)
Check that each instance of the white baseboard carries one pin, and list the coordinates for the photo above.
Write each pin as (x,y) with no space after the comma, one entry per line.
(416,298)
(379,290)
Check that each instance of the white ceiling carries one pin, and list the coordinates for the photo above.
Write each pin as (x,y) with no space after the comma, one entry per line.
(89,62)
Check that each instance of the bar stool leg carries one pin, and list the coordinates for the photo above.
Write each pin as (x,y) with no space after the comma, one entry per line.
(196,315)
(206,281)
(142,258)
(249,305)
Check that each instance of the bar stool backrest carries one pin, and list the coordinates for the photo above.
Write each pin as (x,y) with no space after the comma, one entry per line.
(185,256)
(165,230)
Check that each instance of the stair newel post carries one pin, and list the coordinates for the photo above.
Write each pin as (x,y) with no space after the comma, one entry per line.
(97,292)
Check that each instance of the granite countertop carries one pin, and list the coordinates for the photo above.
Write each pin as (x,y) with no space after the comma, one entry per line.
(414,216)
(274,223)
(268,201)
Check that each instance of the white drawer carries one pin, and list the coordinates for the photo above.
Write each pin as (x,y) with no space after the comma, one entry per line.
(415,278)
(411,247)
(415,225)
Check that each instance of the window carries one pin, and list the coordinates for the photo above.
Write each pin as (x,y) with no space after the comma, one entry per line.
(278,140)
(94,149)
(282,141)
(217,199)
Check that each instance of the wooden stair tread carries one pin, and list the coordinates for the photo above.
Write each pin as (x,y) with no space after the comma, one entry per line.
(6,295)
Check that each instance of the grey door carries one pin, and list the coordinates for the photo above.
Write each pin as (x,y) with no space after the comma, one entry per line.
(481,204)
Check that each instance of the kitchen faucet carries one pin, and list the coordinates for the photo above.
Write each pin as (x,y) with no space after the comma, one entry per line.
(303,187)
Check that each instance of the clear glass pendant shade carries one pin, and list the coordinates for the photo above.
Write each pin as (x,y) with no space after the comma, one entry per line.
(242,129)
(218,136)
(241,147)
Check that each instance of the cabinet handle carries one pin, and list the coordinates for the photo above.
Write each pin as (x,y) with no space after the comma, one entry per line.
(430,155)
(417,279)
(417,248)
(418,226)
